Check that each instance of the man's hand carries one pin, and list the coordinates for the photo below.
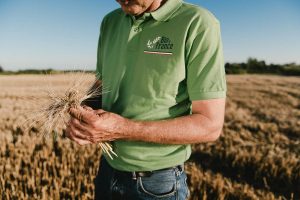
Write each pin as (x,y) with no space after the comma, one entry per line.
(203,125)
(88,126)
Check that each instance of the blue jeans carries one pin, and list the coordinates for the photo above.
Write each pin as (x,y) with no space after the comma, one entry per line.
(168,184)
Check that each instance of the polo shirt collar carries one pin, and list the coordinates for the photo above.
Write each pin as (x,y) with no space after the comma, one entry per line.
(164,12)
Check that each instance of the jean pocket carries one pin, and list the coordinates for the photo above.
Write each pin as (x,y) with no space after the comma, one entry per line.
(158,185)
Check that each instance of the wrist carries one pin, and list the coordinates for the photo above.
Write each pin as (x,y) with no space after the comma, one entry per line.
(131,130)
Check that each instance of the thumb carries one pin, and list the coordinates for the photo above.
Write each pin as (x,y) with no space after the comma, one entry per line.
(99,111)
(87,108)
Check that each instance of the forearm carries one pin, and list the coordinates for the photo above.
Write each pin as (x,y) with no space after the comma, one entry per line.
(94,126)
(189,129)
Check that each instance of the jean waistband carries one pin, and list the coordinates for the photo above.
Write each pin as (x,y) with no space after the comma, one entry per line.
(136,174)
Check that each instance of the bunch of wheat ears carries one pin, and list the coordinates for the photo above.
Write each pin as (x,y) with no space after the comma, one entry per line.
(54,111)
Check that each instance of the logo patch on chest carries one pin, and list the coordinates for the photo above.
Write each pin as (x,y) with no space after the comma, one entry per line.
(159,45)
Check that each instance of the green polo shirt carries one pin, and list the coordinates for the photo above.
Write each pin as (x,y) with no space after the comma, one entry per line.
(152,68)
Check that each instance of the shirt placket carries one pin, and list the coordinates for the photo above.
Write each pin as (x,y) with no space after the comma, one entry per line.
(135,31)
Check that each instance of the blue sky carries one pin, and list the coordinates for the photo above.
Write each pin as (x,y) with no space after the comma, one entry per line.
(63,34)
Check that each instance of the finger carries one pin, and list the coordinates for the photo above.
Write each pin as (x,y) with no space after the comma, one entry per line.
(77,134)
(72,136)
(82,114)
(79,126)
(70,133)
(81,142)
(67,133)
(87,108)
(99,111)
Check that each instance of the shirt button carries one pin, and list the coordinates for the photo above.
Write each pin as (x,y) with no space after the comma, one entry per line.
(137,29)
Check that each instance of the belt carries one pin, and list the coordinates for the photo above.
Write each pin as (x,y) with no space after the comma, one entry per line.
(136,174)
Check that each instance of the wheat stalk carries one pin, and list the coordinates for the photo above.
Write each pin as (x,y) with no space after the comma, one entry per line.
(54,112)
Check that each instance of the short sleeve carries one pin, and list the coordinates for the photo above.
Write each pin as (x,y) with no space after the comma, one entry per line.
(205,64)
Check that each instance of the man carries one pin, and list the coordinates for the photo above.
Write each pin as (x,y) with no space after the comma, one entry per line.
(162,63)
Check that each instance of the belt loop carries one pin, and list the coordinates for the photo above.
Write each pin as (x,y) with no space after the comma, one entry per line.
(133,175)
(181,167)
(177,171)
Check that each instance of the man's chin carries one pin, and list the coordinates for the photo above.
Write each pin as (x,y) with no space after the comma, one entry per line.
(131,11)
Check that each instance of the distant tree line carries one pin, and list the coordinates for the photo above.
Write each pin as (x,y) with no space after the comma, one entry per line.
(40,71)
(29,71)
(254,66)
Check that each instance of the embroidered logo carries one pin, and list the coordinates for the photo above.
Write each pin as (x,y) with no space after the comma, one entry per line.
(159,45)
(150,44)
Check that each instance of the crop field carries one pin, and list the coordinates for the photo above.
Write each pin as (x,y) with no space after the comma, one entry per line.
(256,157)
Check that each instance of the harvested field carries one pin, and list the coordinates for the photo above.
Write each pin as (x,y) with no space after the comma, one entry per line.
(257,156)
